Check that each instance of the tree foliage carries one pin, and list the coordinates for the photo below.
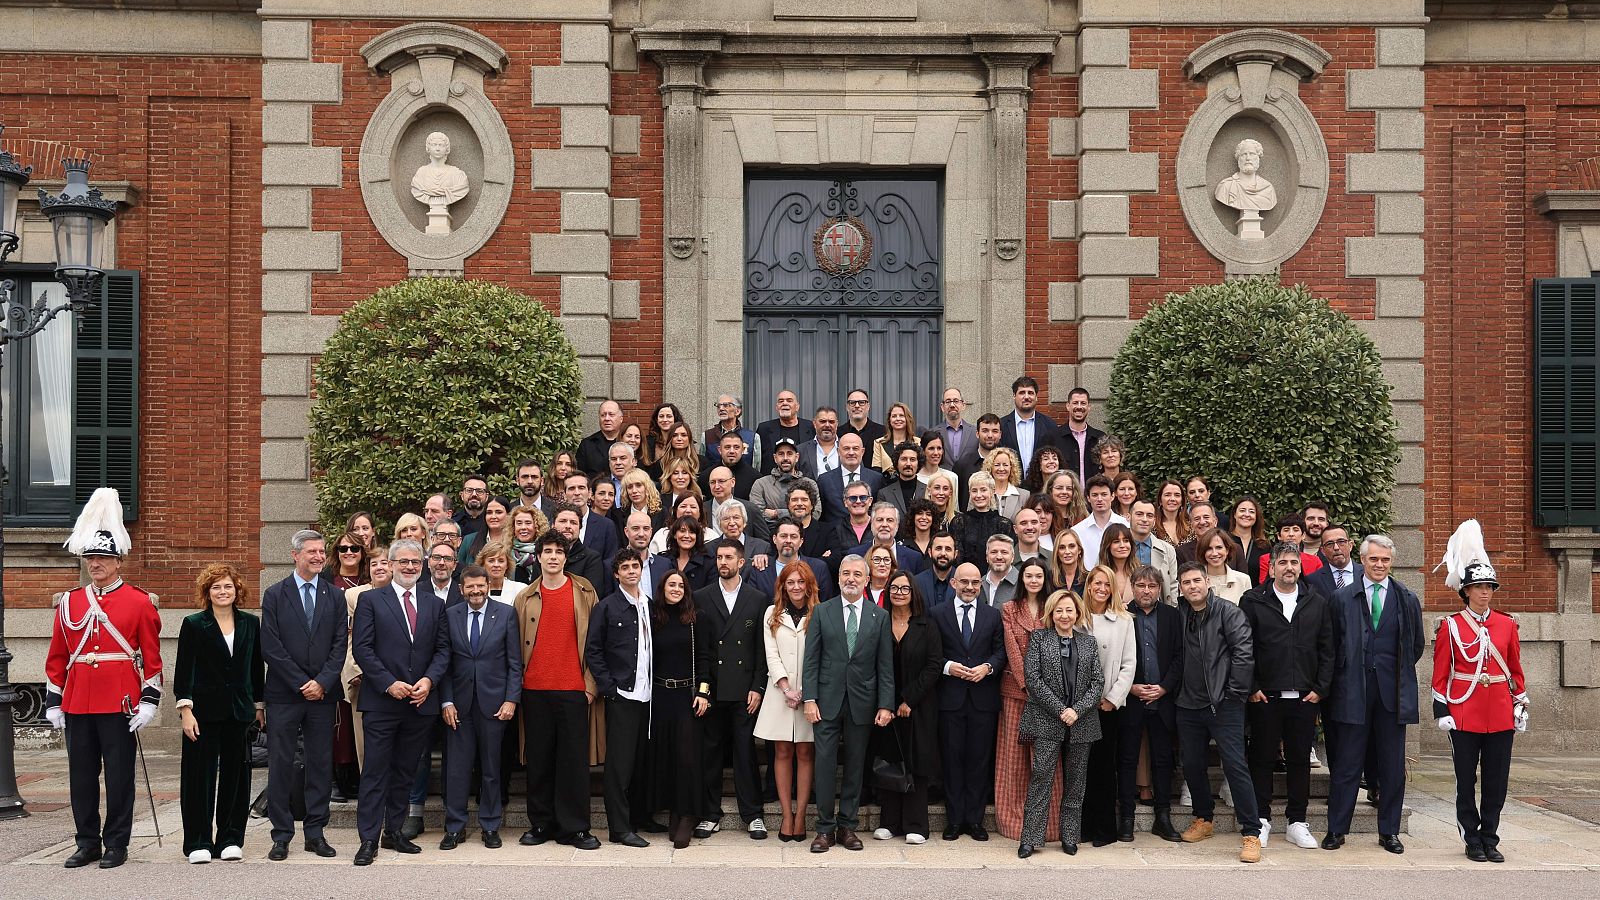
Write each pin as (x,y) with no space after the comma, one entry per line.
(1265,390)
(429,380)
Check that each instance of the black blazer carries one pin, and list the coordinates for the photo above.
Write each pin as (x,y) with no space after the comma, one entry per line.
(1322,579)
(612,646)
(479,683)
(599,535)
(1069,449)
(386,652)
(1169,656)
(921,664)
(830,485)
(988,646)
(582,561)
(700,571)
(224,687)
(295,653)
(452,596)
(766,580)
(734,659)
(1046,433)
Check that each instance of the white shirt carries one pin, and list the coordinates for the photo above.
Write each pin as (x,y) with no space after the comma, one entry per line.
(1366,594)
(1349,575)
(856,605)
(1024,429)
(968,612)
(827,460)
(401,592)
(729,597)
(1290,602)
(508,592)
(1089,533)
(644,667)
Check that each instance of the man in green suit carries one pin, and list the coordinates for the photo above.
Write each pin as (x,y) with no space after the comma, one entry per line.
(849,673)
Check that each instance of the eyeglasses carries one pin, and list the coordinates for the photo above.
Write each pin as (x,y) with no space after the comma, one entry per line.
(855,499)
(1339,542)
(407,563)
(899,588)
(440,557)
(447,535)
(727,406)
(474,490)
(346,548)
(856,402)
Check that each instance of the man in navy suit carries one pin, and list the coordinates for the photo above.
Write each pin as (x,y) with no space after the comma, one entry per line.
(788,537)
(402,645)
(1027,429)
(596,532)
(303,641)
(480,695)
(1377,627)
(851,470)
(960,438)
(937,581)
(885,528)
(969,701)
(1340,569)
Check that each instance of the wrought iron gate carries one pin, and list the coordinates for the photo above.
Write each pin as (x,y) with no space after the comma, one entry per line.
(843,290)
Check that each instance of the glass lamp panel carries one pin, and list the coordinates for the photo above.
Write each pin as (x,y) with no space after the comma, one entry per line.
(79,240)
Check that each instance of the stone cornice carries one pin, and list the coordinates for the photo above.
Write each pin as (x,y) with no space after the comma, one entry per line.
(843,39)
(1283,50)
(1562,205)
(433,39)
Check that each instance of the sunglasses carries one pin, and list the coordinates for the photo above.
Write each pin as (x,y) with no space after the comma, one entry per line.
(346,548)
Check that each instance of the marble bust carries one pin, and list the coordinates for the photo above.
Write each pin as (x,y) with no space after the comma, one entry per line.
(438,184)
(1246,191)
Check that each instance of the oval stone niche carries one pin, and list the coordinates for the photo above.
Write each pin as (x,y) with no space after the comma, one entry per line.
(466,153)
(1278,165)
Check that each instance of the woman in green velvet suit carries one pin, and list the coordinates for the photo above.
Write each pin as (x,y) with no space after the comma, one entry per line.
(218,684)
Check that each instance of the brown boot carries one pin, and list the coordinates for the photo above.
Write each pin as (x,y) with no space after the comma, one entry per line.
(1250,851)
(1198,830)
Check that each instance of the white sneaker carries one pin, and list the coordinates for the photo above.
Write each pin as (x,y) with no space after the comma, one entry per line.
(1185,798)
(1315,763)
(1299,834)
(232,853)
(1266,831)
(1227,793)
(916,839)
(882,834)
(200,856)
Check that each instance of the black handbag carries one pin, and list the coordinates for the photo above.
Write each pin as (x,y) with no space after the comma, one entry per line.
(894,776)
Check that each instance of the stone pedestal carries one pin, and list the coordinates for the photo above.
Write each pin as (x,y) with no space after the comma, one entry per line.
(1249,225)
(439,219)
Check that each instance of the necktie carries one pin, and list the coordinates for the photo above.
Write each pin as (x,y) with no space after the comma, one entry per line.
(473,633)
(966,623)
(1377,605)
(1338,578)
(850,627)
(853,477)
(411,613)
(308,602)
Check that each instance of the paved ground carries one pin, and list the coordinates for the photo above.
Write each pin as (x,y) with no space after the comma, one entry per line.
(1552,853)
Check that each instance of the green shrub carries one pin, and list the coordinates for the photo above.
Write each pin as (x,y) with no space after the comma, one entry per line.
(1265,390)
(429,380)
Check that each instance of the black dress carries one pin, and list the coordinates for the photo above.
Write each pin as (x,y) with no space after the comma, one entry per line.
(676,768)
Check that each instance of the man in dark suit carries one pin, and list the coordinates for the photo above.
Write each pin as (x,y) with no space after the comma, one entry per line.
(960,438)
(402,645)
(1340,569)
(858,418)
(530,489)
(851,470)
(935,581)
(788,424)
(1377,627)
(479,697)
(821,453)
(592,450)
(581,559)
(735,659)
(1077,438)
(441,581)
(1027,429)
(788,539)
(885,530)
(303,641)
(598,533)
(1152,703)
(969,701)
(848,687)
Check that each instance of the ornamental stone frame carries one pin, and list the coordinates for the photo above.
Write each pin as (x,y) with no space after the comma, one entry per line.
(1252,78)
(436,72)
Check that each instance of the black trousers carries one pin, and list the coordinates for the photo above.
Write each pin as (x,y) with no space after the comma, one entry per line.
(905,813)
(1138,719)
(1223,723)
(729,722)
(966,739)
(214,779)
(1100,791)
(1480,823)
(627,730)
(312,724)
(96,742)
(395,744)
(555,728)
(1384,738)
(1292,723)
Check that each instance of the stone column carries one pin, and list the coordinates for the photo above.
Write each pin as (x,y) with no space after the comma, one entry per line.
(1007,284)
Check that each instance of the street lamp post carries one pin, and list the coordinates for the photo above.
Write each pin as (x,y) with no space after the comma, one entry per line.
(78,217)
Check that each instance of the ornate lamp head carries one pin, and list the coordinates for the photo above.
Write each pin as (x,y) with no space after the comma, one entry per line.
(12,179)
(78,216)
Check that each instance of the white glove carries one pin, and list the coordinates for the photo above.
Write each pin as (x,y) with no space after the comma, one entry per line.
(1447,723)
(57,718)
(1519,718)
(145,715)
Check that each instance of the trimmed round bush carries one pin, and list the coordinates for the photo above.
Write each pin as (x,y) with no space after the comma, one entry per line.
(432,379)
(1265,390)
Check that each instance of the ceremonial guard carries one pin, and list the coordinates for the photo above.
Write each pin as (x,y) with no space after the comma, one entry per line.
(104,681)
(1479,696)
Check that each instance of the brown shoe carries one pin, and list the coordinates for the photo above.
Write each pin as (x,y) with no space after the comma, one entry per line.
(823,842)
(847,839)
(1250,852)
(1199,830)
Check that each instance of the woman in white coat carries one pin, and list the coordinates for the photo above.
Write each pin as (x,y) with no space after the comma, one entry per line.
(1112,626)
(780,721)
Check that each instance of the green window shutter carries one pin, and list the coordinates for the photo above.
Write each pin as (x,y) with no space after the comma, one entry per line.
(106,394)
(1565,402)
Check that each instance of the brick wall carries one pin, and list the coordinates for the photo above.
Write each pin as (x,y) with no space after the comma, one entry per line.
(1049,178)
(1184,262)
(1496,138)
(186,133)
(640,259)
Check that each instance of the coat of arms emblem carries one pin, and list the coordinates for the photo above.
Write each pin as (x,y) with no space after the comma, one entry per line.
(843,245)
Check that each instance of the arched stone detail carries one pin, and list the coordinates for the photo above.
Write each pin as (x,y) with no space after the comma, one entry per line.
(1252,78)
(436,72)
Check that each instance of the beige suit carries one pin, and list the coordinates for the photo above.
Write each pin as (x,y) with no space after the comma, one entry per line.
(352,672)
(786,654)
(1165,558)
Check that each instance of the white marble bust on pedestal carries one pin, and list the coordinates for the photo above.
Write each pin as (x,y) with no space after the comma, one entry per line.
(438,184)
(1246,191)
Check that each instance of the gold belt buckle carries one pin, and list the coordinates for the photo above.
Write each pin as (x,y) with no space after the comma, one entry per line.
(90,658)
(1484,679)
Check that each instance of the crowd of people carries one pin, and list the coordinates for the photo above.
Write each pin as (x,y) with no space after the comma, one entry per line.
(991,612)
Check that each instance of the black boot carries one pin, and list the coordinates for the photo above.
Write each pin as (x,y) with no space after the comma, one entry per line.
(1125,827)
(1163,825)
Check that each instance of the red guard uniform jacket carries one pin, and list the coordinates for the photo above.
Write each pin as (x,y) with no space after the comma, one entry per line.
(94,685)
(1458,662)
